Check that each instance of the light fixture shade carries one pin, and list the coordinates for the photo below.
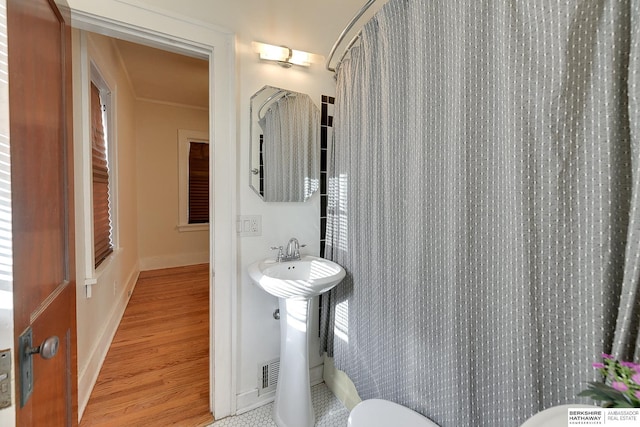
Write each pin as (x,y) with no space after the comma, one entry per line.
(274,53)
(284,55)
(300,57)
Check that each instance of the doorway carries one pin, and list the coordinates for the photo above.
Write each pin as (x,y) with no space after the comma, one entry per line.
(147,98)
(197,39)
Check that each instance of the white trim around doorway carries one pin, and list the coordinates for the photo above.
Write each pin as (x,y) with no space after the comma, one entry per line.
(139,23)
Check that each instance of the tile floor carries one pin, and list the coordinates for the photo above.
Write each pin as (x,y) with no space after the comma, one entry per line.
(329,412)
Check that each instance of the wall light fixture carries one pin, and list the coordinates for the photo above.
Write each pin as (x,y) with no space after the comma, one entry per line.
(284,55)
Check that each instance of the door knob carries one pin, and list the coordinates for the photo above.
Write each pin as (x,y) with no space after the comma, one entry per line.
(47,349)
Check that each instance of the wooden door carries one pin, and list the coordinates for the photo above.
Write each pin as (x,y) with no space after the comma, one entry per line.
(42,194)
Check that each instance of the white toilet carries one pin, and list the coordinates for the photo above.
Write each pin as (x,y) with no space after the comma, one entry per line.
(383,413)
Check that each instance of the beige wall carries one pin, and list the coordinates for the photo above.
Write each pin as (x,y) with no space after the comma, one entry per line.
(100,306)
(160,243)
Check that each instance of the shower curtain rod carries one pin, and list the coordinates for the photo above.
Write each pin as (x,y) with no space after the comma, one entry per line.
(279,94)
(343,34)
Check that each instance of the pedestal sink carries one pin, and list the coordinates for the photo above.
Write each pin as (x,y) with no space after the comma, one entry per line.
(295,283)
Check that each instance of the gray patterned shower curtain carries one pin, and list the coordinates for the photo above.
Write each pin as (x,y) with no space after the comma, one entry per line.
(484,184)
(291,128)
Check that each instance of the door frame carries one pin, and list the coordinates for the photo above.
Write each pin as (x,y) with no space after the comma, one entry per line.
(135,22)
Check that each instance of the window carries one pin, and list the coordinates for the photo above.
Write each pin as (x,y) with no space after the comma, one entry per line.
(193,165)
(102,242)
(198,183)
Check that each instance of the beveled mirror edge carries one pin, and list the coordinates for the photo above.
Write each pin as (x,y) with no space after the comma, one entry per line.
(252,142)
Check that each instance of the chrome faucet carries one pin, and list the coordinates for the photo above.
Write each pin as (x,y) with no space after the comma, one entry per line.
(292,253)
(293,249)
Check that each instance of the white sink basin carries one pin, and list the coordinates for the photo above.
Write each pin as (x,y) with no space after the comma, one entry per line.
(306,278)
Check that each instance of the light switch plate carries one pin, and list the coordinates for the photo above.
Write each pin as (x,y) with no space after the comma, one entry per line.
(249,225)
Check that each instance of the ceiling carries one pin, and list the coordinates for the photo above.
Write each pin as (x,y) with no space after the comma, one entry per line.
(164,76)
(309,25)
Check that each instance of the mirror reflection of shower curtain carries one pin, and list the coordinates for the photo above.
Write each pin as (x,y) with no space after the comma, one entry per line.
(291,129)
(484,199)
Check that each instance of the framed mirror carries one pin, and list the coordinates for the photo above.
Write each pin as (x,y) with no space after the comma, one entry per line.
(285,145)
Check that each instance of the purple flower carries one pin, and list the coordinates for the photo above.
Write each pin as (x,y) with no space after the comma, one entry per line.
(620,386)
(628,364)
(637,394)
(598,365)
(636,378)
(607,356)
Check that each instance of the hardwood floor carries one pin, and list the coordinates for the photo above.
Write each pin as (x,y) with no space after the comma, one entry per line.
(156,372)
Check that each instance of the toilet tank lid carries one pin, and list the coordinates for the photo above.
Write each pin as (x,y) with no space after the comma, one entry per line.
(384,413)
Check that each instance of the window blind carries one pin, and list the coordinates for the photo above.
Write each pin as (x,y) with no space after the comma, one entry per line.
(198,183)
(102,245)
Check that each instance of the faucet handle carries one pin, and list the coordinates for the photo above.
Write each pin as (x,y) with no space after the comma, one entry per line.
(296,254)
(280,253)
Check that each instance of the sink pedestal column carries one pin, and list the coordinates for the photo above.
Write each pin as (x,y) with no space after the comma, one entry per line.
(293,407)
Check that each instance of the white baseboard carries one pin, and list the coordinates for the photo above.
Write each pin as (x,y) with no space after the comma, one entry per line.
(340,384)
(175,260)
(250,400)
(88,376)
(315,375)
